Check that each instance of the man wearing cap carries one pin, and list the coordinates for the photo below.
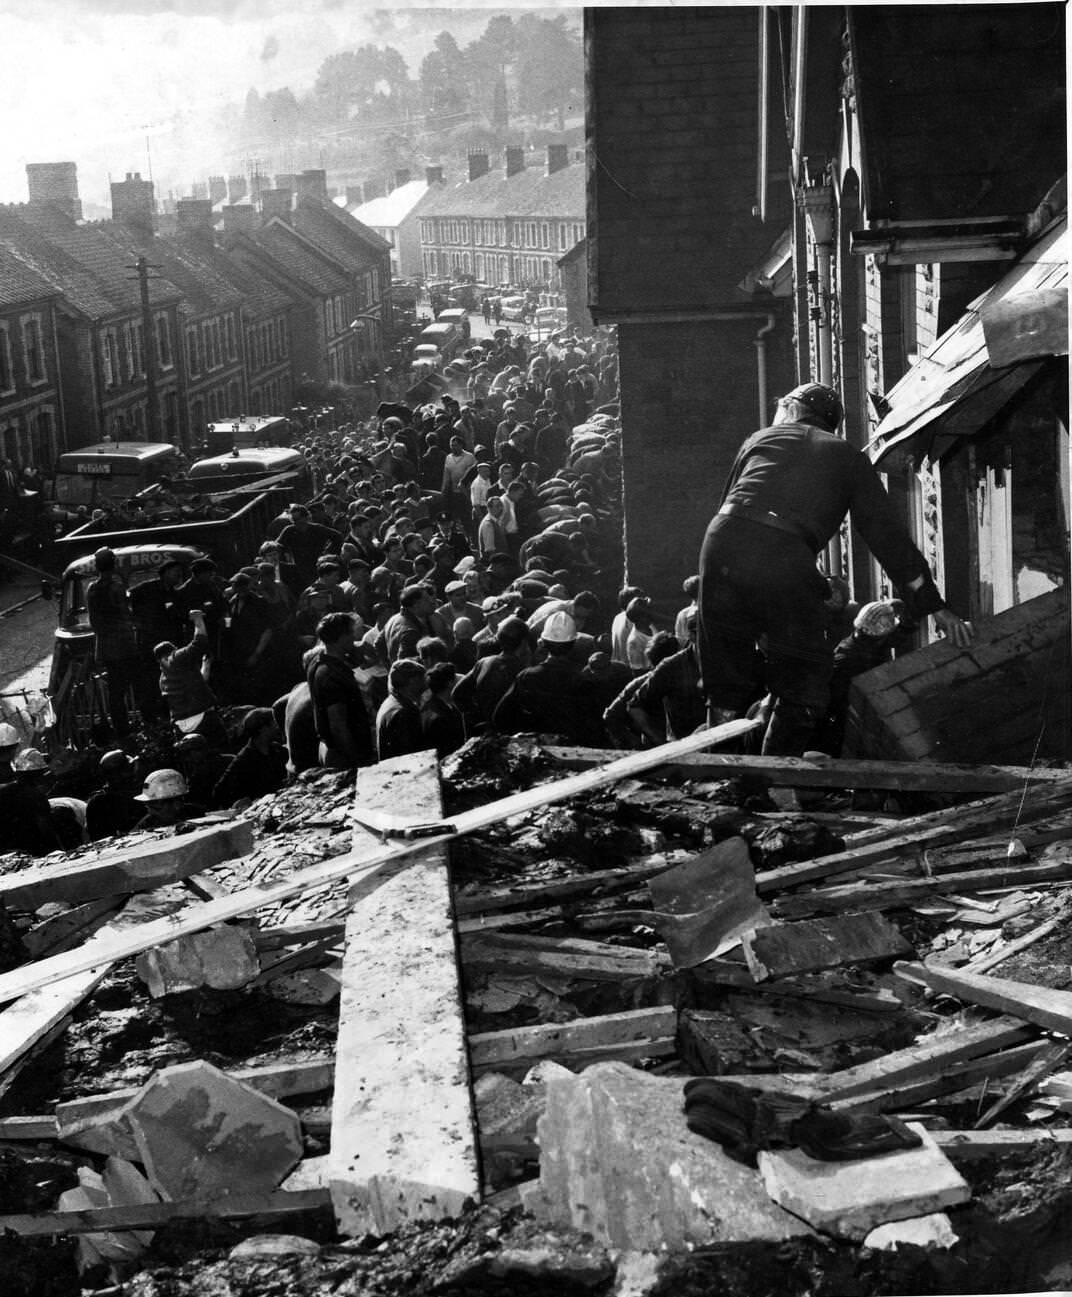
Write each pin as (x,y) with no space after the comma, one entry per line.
(205,591)
(458,604)
(410,624)
(305,541)
(115,636)
(480,690)
(112,810)
(398,722)
(323,596)
(788,493)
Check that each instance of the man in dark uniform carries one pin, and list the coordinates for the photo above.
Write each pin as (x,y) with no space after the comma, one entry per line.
(112,810)
(788,492)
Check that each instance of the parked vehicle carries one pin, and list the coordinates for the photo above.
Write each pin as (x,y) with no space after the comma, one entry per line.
(427,356)
(249,430)
(444,335)
(109,471)
(456,316)
(513,308)
(242,467)
(549,319)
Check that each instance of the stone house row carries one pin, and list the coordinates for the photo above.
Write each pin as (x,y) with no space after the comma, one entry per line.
(119,330)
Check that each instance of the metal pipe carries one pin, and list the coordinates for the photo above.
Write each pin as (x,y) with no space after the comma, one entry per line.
(761,369)
(800,58)
(760,209)
(825,332)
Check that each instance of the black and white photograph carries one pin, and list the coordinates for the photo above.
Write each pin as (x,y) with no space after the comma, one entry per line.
(535,655)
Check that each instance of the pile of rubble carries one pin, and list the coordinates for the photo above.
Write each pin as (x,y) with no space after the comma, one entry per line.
(298,1049)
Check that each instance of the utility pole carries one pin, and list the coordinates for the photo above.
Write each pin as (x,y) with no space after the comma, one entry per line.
(148,334)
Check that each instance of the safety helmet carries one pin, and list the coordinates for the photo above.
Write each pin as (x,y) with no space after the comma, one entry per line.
(9,736)
(559,628)
(29,760)
(821,400)
(114,761)
(876,619)
(161,785)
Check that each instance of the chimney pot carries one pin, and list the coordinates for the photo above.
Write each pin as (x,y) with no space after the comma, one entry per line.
(276,202)
(478,164)
(433,175)
(557,157)
(194,216)
(515,159)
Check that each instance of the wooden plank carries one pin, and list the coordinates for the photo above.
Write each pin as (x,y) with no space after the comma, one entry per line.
(134,869)
(912,835)
(403,1129)
(986,962)
(899,776)
(968,1145)
(72,927)
(478,923)
(906,1096)
(928,1057)
(638,1031)
(30,1128)
(890,896)
(1046,1008)
(815,944)
(151,1215)
(599,882)
(367,866)
(567,957)
(1049,1060)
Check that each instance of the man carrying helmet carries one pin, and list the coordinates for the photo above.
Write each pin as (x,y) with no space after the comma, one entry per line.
(788,493)
(164,796)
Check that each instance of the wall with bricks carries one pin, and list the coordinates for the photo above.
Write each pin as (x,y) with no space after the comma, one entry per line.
(672,146)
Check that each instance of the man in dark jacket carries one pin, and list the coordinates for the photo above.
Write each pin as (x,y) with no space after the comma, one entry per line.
(552,697)
(260,765)
(112,810)
(398,722)
(788,492)
(116,640)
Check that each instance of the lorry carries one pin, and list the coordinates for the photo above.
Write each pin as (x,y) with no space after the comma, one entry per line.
(248,431)
(106,472)
(268,465)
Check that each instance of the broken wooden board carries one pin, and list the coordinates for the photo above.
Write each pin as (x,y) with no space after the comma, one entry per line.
(403,1130)
(840,773)
(1046,1008)
(926,705)
(862,896)
(929,1057)
(967,1145)
(572,957)
(134,869)
(706,905)
(367,867)
(637,1033)
(1048,1060)
(597,882)
(912,835)
(230,1206)
(64,931)
(815,944)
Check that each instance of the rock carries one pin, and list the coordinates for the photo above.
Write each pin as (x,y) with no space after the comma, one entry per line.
(262,1245)
(934,1230)
(223,958)
(574,1262)
(849,1199)
(504,1106)
(618,1161)
(201,1133)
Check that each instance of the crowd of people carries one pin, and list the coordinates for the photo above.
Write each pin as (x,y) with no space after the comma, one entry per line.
(457,572)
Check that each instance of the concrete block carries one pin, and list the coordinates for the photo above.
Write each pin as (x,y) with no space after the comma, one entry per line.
(618,1161)
(223,958)
(933,1231)
(849,1199)
(203,1134)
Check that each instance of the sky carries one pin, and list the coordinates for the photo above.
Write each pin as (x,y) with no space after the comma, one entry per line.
(120,86)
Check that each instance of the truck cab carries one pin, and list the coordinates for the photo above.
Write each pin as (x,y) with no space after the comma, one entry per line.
(109,472)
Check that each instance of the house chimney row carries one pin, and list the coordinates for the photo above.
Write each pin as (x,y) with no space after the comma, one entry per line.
(557,157)
(478,163)
(515,159)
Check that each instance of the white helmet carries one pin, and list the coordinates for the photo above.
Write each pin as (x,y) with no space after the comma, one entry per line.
(9,736)
(161,785)
(559,628)
(876,619)
(30,759)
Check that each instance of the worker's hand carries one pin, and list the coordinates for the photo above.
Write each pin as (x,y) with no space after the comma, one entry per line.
(958,632)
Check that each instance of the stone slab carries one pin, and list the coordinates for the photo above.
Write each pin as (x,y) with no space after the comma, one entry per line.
(618,1161)
(849,1199)
(223,958)
(202,1134)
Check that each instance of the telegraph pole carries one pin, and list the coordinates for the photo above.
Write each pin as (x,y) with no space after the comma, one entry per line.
(148,333)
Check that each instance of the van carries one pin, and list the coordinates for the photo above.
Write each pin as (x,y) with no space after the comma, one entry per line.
(248,430)
(456,316)
(444,335)
(247,465)
(109,472)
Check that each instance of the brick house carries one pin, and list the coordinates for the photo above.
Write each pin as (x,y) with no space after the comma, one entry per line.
(679,210)
(31,410)
(99,327)
(395,217)
(506,226)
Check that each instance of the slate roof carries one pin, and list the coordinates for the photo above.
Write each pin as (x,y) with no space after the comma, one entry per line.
(298,262)
(19,285)
(529,193)
(258,295)
(90,265)
(388,212)
(336,233)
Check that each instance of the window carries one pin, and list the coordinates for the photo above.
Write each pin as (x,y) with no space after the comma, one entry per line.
(252,350)
(7,377)
(563,235)
(517,234)
(43,451)
(283,345)
(545,234)
(193,355)
(232,341)
(480,265)
(32,349)
(163,342)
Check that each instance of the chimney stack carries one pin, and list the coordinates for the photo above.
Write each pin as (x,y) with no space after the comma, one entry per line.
(355,195)
(276,202)
(402,177)
(55,183)
(313,183)
(217,188)
(515,159)
(239,219)
(287,182)
(199,189)
(433,175)
(557,157)
(236,189)
(133,205)
(193,216)
(478,164)
(373,189)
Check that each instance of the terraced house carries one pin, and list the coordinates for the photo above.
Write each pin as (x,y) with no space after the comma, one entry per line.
(30,405)
(508,225)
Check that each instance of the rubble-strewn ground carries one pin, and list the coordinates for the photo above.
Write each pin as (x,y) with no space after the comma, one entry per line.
(1014,1233)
